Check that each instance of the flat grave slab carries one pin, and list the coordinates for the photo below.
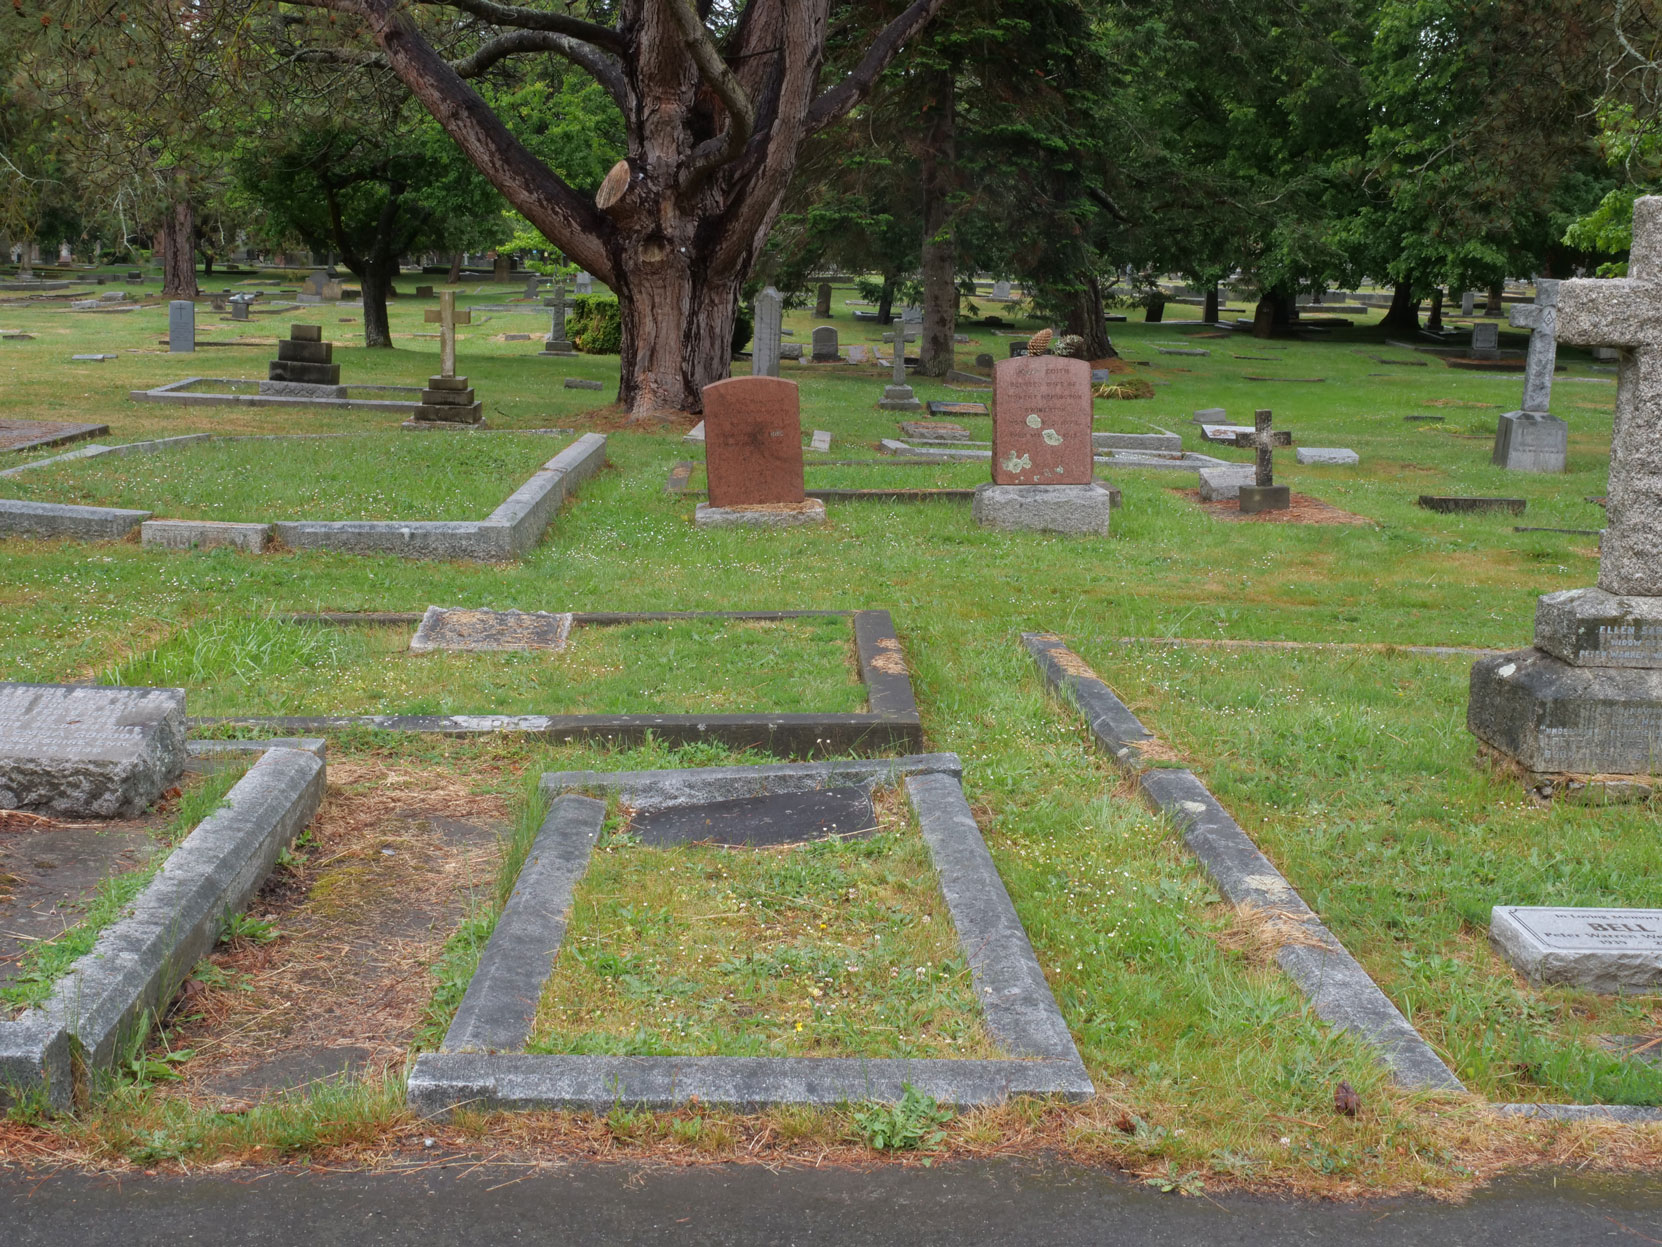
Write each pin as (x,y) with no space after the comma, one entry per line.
(475,631)
(1327,455)
(1602,950)
(86,752)
(934,430)
(37,434)
(939,408)
(1450,505)
(777,819)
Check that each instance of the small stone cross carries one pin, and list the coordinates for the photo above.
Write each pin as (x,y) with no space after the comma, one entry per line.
(1627,313)
(1262,440)
(447,318)
(899,353)
(1542,317)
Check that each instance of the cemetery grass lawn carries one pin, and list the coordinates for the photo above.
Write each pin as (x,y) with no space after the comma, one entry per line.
(234,665)
(387,476)
(1207,1061)
(43,964)
(836,948)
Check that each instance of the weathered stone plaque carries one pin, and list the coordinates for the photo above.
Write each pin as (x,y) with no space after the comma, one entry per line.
(1042,421)
(87,752)
(1603,950)
(447,628)
(753,442)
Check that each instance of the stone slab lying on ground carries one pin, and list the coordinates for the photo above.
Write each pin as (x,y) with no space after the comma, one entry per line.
(1601,950)
(1327,455)
(205,535)
(102,1003)
(771,820)
(1154,443)
(87,752)
(582,383)
(1451,505)
(1224,484)
(451,628)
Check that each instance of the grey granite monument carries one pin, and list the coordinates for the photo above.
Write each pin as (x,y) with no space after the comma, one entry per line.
(825,345)
(1532,439)
(1486,340)
(770,312)
(1602,950)
(1263,494)
(78,751)
(181,326)
(897,395)
(1587,700)
(556,343)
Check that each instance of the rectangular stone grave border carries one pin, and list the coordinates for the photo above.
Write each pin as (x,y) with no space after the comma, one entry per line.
(1339,989)
(104,1002)
(482,1066)
(175,392)
(507,533)
(890,721)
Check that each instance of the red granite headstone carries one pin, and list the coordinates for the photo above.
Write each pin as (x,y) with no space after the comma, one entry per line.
(753,442)
(1042,421)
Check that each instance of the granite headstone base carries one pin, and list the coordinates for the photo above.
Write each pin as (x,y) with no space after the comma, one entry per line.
(1592,628)
(1081,510)
(899,398)
(765,515)
(86,752)
(1528,441)
(1553,717)
(301,389)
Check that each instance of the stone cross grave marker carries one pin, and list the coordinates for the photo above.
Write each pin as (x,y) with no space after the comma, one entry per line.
(897,395)
(181,326)
(753,442)
(556,343)
(1263,494)
(88,752)
(1532,439)
(770,311)
(447,318)
(1627,313)
(1042,421)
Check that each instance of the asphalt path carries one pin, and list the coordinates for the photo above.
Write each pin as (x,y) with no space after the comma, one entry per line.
(954,1205)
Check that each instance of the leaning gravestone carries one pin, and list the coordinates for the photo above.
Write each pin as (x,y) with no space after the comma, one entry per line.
(181,326)
(1042,457)
(1532,439)
(1587,700)
(1602,950)
(85,752)
(770,311)
(753,456)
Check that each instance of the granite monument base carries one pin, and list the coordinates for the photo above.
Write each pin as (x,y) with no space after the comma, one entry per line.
(1592,628)
(899,398)
(1553,717)
(763,515)
(1528,441)
(1082,510)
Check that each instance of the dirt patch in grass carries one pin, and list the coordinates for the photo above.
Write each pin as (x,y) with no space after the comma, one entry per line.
(1304,510)
(395,858)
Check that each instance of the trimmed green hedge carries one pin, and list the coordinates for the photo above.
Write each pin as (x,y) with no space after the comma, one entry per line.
(595,326)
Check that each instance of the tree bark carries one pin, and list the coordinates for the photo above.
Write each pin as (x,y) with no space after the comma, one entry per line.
(1209,313)
(885,301)
(455,269)
(940,252)
(178,251)
(376,277)
(1404,313)
(1434,321)
(1492,308)
(1087,318)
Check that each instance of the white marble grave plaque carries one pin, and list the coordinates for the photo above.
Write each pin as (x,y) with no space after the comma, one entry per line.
(1603,950)
(88,752)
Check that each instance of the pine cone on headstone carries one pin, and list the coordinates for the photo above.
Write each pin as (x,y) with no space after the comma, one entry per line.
(1039,343)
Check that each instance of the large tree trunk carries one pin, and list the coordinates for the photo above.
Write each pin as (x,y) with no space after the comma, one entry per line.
(885,301)
(455,269)
(1434,321)
(1493,307)
(178,251)
(677,335)
(376,277)
(940,252)
(1404,313)
(1087,318)
(1209,313)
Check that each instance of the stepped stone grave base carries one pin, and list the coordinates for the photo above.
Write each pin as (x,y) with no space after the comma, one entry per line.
(899,398)
(1592,628)
(1527,441)
(1082,510)
(444,628)
(301,389)
(1552,717)
(1603,950)
(204,535)
(88,752)
(761,515)
(448,400)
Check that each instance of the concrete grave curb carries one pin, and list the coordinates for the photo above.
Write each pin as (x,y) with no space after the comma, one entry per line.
(1338,987)
(1020,1010)
(102,1002)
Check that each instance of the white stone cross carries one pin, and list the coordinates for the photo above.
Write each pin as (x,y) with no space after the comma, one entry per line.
(1540,316)
(447,318)
(1627,313)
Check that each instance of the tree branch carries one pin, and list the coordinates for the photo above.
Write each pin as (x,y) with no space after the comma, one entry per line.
(537,19)
(836,102)
(711,154)
(601,67)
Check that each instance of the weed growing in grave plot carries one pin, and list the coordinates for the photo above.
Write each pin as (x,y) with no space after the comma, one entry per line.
(361,477)
(838,948)
(1355,774)
(45,963)
(267,666)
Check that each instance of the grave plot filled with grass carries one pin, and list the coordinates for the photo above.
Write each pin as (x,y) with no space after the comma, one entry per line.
(1355,774)
(388,476)
(838,947)
(269,666)
(63,882)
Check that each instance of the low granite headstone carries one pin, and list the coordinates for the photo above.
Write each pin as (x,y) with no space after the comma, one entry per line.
(181,326)
(1486,340)
(825,345)
(77,751)
(1327,455)
(476,631)
(1602,950)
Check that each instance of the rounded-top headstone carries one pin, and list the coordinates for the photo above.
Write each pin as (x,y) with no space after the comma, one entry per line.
(1042,421)
(753,442)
